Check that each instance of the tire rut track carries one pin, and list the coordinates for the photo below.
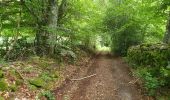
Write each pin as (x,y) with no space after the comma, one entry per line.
(111,82)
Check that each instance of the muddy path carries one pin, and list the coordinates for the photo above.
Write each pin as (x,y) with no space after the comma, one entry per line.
(107,78)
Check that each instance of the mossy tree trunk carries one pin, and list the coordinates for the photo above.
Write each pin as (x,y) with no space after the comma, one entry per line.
(53,22)
(47,18)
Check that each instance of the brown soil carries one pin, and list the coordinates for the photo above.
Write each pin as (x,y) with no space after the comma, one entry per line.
(111,80)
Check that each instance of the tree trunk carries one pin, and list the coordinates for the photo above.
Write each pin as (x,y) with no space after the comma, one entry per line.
(41,40)
(47,23)
(45,39)
(166,38)
(53,20)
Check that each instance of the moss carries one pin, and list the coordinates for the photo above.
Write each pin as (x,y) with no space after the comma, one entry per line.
(3,85)
(43,64)
(38,82)
(34,59)
(55,74)
(2,98)
(46,76)
(13,88)
(19,82)
(49,86)
(32,87)
(1,74)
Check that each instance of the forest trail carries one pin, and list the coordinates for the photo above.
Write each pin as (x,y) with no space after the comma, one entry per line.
(111,80)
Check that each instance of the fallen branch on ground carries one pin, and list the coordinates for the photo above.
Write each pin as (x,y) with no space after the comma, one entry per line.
(133,81)
(19,73)
(83,78)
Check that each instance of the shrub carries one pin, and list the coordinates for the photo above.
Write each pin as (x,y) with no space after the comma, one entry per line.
(151,83)
(154,55)
(153,65)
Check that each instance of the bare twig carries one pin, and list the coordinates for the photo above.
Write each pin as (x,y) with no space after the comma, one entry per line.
(19,73)
(83,78)
(133,81)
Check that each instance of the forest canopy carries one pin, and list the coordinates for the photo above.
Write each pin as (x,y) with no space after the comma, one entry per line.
(44,25)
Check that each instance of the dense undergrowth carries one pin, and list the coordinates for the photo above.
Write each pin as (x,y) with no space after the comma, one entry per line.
(152,64)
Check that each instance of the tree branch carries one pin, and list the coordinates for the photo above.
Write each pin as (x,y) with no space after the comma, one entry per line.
(62,10)
(79,79)
(31,11)
(5,3)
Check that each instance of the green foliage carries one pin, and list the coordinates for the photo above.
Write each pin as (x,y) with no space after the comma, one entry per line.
(165,75)
(13,88)
(19,82)
(151,62)
(124,38)
(56,28)
(32,24)
(131,22)
(1,98)
(54,74)
(1,74)
(153,55)
(11,50)
(48,95)
(68,53)
(38,82)
(124,27)
(3,85)
(46,76)
(151,83)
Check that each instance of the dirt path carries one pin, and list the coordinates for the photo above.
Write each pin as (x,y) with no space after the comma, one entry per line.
(112,81)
